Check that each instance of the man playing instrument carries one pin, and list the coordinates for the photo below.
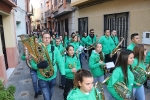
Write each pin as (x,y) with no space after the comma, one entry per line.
(91,40)
(107,45)
(116,41)
(33,73)
(135,40)
(47,83)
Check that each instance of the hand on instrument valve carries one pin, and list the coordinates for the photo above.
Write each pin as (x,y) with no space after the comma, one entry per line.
(43,64)
(28,57)
(73,70)
(138,84)
(101,62)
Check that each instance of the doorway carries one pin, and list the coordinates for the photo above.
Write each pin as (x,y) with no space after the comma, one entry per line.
(3,42)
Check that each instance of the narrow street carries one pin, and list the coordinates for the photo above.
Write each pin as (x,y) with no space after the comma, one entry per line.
(21,79)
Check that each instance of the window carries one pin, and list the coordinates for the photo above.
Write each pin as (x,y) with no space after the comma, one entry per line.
(83,25)
(118,22)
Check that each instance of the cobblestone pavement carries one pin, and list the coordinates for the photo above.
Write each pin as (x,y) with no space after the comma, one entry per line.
(24,90)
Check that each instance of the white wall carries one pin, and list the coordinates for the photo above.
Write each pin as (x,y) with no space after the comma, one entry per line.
(19,18)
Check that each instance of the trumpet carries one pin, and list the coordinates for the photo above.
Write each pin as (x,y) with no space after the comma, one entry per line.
(117,47)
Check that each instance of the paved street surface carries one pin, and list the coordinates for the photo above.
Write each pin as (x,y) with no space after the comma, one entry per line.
(24,89)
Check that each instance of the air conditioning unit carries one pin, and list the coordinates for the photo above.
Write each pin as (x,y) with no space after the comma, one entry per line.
(146,38)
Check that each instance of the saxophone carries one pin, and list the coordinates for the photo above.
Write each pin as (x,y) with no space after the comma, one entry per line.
(25,36)
(117,47)
(39,53)
(140,75)
(99,91)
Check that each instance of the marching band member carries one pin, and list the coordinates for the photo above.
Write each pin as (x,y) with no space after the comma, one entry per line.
(61,50)
(122,73)
(116,41)
(107,45)
(61,40)
(75,44)
(147,61)
(66,39)
(91,39)
(72,64)
(84,89)
(84,40)
(34,77)
(135,40)
(71,38)
(139,56)
(47,84)
(96,63)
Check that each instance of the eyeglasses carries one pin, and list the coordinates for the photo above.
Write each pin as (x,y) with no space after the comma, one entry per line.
(46,37)
(92,32)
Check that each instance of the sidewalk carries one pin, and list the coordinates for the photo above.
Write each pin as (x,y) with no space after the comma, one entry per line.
(21,79)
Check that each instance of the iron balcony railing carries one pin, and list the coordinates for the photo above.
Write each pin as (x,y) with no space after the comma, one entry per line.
(47,13)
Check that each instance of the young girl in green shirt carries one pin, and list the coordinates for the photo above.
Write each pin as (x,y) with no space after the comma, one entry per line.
(139,57)
(122,73)
(72,64)
(96,63)
(84,89)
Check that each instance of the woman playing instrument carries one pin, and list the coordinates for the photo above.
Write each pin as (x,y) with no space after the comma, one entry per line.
(96,63)
(72,64)
(122,73)
(75,44)
(139,56)
(84,89)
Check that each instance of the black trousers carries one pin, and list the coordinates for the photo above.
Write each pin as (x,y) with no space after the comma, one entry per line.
(68,87)
(113,59)
(90,51)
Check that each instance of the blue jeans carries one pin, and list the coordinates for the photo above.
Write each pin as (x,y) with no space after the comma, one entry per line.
(99,79)
(47,88)
(138,93)
(81,56)
(35,80)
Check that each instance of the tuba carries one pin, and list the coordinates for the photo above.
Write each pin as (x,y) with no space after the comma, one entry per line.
(140,75)
(122,90)
(25,36)
(99,92)
(39,53)
(117,47)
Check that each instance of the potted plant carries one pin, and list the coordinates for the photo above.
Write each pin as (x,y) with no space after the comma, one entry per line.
(7,93)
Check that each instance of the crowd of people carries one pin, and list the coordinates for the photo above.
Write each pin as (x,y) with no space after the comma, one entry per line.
(66,55)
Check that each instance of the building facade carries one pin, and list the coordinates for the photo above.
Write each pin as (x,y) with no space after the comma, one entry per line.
(8,44)
(126,17)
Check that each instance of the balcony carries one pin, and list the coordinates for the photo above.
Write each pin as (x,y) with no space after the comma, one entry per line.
(14,1)
(62,8)
(80,3)
(47,13)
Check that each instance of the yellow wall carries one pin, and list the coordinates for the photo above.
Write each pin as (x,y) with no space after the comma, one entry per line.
(139,15)
(9,32)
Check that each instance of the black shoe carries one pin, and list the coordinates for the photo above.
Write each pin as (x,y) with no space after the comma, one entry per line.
(36,95)
(40,93)
(146,86)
